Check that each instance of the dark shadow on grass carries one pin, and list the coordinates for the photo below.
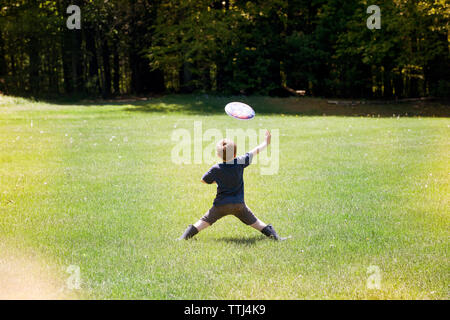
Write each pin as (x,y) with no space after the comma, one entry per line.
(242,241)
(211,104)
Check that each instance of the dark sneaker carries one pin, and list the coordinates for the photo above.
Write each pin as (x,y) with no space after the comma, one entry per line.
(189,233)
(270,232)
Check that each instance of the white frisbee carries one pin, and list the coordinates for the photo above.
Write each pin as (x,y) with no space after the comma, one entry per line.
(239,111)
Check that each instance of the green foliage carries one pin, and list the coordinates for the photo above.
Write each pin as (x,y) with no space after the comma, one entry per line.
(232,46)
(402,55)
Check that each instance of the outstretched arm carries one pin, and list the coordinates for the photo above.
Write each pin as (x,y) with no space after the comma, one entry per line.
(263,145)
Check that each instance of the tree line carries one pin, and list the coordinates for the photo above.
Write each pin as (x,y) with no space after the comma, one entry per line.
(230,47)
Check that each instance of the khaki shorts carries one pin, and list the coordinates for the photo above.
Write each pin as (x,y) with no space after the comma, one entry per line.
(239,210)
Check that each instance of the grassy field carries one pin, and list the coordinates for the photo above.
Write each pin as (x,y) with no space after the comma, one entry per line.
(93,185)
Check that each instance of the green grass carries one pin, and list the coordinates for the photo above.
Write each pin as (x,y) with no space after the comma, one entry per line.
(352,191)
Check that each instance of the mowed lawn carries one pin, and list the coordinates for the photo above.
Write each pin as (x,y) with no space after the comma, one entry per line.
(95,186)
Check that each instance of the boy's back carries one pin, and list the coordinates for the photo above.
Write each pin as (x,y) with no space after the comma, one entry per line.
(229,179)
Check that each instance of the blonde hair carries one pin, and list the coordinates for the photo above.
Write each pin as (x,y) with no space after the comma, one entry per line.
(226,149)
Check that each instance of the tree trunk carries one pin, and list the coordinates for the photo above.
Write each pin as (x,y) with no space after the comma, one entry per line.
(3,70)
(116,66)
(77,67)
(33,68)
(106,90)
(54,75)
(186,77)
(14,73)
(143,78)
(413,87)
(67,63)
(398,85)
(387,92)
(93,83)
(135,81)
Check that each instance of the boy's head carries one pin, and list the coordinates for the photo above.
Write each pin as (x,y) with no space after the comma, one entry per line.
(226,150)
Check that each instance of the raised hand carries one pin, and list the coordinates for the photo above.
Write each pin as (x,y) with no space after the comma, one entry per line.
(268,137)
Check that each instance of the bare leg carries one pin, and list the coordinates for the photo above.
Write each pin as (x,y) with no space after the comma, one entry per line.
(258,225)
(200,225)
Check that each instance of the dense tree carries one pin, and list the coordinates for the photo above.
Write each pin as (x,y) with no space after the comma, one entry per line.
(231,46)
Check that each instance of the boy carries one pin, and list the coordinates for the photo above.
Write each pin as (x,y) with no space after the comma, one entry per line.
(228,176)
